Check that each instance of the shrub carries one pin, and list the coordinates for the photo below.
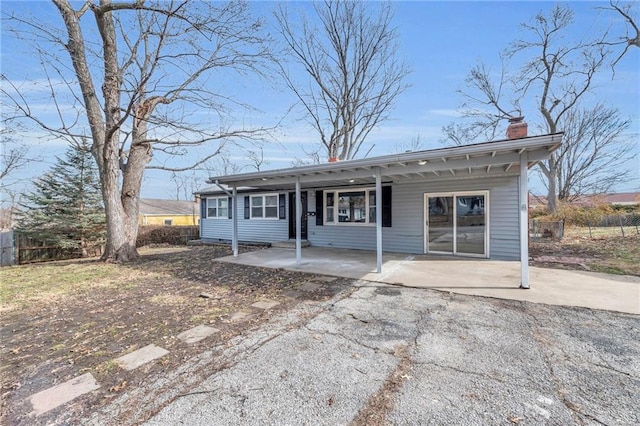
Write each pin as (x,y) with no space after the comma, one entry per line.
(159,234)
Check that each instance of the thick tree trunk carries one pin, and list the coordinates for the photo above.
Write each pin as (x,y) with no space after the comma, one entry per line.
(119,246)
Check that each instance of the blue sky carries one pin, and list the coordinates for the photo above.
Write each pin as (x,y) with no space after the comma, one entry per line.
(440,40)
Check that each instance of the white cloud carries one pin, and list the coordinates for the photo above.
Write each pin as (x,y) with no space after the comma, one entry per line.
(444,112)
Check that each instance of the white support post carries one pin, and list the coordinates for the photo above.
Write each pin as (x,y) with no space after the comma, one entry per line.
(234,216)
(524,222)
(378,221)
(298,210)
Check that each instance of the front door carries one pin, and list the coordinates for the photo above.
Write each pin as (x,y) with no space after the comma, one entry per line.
(457,223)
(292,215)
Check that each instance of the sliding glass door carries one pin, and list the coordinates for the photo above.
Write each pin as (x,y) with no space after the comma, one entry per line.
(440,224)
(456,223)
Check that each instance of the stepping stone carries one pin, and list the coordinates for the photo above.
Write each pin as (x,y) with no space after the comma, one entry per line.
(294,294)
(265,304)
(310,286)
(55,396)
(142,356)
(197,333)
(240,316)
(326,279)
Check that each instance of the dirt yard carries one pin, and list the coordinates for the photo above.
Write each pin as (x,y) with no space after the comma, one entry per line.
(601,253)
(63,319)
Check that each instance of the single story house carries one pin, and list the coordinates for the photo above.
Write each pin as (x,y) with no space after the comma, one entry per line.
(168,212)
(461,201)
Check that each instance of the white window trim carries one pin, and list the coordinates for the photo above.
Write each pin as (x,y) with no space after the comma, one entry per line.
(209,199)
(264,206)
(336,221)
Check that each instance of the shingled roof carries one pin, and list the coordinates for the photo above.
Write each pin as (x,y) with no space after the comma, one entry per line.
(151,206)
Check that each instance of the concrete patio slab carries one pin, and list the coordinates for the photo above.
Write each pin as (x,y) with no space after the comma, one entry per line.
(55,396)
(197,333)
(482,277)
(140,357)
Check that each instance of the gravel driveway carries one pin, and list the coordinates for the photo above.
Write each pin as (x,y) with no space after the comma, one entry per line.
(379,354)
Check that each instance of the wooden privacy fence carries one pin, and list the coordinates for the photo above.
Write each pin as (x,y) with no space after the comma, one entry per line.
(7,248)
(18,248)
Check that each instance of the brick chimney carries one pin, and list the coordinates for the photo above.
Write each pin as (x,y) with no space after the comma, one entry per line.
(517,128)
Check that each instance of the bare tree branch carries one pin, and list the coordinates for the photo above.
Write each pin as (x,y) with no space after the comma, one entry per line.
(145,69)
(354,71)
(557,75)
(632,37)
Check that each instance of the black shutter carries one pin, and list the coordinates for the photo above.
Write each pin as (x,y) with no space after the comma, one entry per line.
(247,213)
(230,207)
(282,206)
(203,208)
(319,208)
(386,206)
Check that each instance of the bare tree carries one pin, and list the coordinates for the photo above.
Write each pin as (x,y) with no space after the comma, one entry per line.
(415,144)
(185,184)
(312,157)
(14,156)
(256,158)
(555,77)
(355,73)
(143,72)
(592,163)
(632,36)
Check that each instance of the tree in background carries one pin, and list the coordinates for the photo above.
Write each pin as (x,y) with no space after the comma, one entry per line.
(355,73)
(148,83)
(553,74)
(65,207)
(632,35)
(14,156)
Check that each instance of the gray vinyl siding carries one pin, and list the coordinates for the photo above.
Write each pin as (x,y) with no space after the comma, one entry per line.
(406,235)
(249,230)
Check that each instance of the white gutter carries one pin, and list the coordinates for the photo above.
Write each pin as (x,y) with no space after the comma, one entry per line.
(485,147)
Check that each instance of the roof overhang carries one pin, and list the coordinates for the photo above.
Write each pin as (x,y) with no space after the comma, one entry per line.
(481,160)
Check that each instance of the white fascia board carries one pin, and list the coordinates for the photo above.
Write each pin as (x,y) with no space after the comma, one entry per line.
(397,170)
(364,167)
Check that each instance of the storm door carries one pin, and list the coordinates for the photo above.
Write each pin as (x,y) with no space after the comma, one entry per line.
(303,215)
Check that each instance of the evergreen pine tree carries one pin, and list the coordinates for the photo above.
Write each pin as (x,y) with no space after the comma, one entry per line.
(65,207)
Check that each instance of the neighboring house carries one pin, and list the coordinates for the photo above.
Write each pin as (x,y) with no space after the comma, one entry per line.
(168,212)
(461,201)
(617,199)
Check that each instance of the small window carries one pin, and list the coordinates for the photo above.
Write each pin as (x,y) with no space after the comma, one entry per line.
(271,206)
(350,207)
(168,222)
(218,208)
(264,206)
(330,207)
